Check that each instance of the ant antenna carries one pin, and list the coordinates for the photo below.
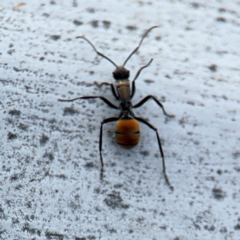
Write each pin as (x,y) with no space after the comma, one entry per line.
(135,50)
(102,55)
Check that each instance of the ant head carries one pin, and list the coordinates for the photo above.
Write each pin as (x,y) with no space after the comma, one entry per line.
(121,73)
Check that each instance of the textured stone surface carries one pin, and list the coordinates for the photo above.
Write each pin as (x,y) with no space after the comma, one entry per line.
(50,168)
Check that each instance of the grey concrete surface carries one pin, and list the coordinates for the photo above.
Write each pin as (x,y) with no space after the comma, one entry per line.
(50,184)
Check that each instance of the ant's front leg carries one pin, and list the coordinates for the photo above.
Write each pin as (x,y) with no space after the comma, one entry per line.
(112,88)
(136,76)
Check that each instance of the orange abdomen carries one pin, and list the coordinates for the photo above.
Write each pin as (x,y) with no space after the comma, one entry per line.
(127,132)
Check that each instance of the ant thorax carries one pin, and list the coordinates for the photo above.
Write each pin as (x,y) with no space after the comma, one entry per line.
(126,111)
(123,90)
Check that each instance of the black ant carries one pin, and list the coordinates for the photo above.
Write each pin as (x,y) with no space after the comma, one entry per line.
(127,131)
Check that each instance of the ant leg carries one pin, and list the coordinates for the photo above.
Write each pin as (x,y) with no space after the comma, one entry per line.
(160,148)
(112,88)
(158,103)
(91,97)
(136,76)
(107,120)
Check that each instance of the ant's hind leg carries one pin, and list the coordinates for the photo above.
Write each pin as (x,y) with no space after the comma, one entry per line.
(107,120)
(160,149)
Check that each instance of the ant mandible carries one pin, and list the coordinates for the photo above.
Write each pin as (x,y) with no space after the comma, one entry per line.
(127,131)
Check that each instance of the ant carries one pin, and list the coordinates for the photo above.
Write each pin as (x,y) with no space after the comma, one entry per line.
(127,131)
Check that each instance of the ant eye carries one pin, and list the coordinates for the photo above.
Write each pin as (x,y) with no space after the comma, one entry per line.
(114,75)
